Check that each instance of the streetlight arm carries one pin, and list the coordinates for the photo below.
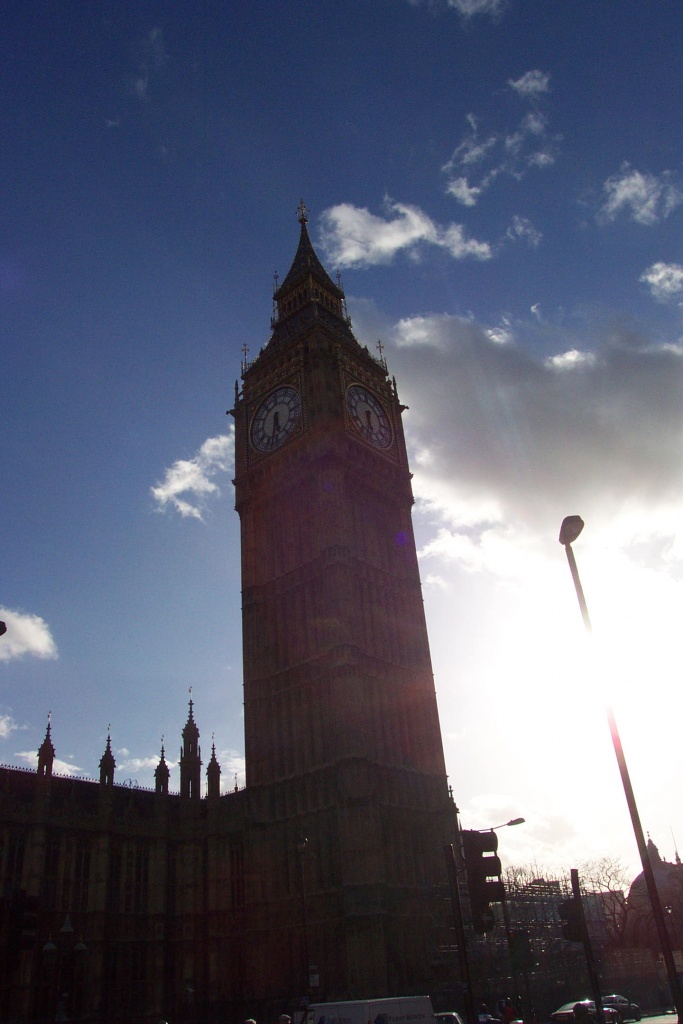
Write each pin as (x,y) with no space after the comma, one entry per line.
(505,824)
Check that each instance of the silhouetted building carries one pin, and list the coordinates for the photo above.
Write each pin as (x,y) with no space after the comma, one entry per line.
(640,928)
(324,877)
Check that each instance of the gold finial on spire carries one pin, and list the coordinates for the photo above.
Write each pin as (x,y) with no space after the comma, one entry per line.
(302,213)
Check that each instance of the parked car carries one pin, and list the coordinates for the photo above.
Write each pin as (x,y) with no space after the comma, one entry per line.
(565,1014)
(625,1009)
(449,1017)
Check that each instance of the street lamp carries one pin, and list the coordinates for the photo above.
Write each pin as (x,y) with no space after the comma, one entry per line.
(506,824)
(569,531)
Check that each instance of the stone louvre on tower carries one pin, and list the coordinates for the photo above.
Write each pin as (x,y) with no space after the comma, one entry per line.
(213,908)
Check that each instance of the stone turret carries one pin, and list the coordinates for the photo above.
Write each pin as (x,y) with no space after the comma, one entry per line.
(46,752)
(162,773)
(107,764)
(213,776)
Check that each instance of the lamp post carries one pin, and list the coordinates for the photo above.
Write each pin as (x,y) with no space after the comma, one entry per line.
(569,531)
(64,967)
(301,844)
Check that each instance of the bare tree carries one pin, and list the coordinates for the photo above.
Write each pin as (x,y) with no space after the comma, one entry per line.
(607,881)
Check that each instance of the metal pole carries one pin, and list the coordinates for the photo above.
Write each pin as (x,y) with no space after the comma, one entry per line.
(650,883)
(301,847)
(655,902)
(588,947)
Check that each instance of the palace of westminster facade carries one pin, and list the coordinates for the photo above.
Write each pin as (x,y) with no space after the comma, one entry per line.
(324,877)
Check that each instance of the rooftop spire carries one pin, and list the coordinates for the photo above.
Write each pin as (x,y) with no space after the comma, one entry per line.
(162,773)
(213,774)
(46,751)
(307,294)
(107,763)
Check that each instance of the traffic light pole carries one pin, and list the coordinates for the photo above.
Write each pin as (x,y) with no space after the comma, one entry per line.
(461,942)
(512,955)
(587,947)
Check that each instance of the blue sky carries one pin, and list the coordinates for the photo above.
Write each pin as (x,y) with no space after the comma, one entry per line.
(499,184)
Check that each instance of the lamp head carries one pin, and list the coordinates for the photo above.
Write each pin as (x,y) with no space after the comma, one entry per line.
(570,529)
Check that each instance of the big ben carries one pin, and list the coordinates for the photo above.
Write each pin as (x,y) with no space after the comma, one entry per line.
(345,770)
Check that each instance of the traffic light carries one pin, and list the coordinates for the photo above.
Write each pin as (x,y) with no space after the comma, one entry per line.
(571,915)
(480,870)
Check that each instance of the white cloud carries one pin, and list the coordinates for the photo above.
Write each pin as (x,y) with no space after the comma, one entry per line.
(188,482)
(468,8)
(513,152)
(26,634)
(665,280)
(502,334)
(570,360)
(533,83)
(139,764)
(463,192)
(7,726)
(472,150)
(647,198)
(533,124)
(502,440)
(151,57)
(233,767)
(522,227)
(354,237)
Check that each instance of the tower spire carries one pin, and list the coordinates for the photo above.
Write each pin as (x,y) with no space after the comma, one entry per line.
(190,757)
(307,286)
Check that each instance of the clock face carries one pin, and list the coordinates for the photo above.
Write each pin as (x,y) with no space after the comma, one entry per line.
(275,419)
(369,416)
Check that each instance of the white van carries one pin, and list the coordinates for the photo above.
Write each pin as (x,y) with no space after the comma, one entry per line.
(398,1010)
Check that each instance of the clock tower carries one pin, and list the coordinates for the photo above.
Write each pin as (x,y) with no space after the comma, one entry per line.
(345,771)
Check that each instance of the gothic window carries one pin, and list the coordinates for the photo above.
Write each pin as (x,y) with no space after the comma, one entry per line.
(81,878)
(15,860)
(51,874)
(237,876)
(114,880)
(141,890)
(128,879)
